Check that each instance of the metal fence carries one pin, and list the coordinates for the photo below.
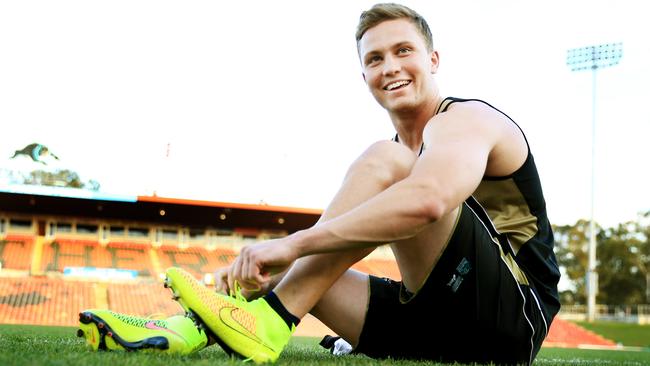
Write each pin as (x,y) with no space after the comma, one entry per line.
(639,314)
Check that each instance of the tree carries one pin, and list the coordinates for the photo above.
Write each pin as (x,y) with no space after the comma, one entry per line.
(571,251)
(623,261)
(620,278)
(59,178)
(642,230)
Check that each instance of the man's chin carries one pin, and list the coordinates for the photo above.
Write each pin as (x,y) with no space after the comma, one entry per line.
(401,107)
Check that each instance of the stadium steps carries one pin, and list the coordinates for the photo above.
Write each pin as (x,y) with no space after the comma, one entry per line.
(101,295)
(570,335)
(155,261)
(37,256)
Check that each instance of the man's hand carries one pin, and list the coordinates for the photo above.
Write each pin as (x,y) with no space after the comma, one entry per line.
(256,263)
(221,285)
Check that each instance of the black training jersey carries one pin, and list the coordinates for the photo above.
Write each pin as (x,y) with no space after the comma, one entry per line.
(516,206)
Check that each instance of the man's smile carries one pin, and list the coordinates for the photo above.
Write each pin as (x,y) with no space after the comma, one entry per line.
(396,85)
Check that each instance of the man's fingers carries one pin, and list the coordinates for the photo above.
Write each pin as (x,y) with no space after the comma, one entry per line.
(251,271)
(243,275)
(221,280)
(248,281)
(263,277)
(232,274)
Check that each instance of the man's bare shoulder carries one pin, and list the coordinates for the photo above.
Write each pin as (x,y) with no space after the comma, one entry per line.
(474,124)
(474,111)
(471,117)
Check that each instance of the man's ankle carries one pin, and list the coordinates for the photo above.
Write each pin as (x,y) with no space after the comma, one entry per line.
(272,299)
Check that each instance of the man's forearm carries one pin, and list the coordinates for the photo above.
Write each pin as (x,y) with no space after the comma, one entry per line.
(397,213)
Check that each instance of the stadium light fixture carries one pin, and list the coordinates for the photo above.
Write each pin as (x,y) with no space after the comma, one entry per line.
(593,58)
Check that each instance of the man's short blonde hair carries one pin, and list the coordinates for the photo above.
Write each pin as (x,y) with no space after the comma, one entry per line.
(390,11)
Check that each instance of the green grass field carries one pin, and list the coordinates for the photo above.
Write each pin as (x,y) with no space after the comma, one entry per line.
(624,333)
(37,345)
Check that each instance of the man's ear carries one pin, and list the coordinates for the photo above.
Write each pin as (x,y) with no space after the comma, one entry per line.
(435,61)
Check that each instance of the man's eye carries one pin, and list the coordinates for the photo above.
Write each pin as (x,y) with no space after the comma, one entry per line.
(374,59)
(404,50)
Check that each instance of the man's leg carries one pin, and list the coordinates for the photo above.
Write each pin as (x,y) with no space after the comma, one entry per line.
(309,284)
(324,285)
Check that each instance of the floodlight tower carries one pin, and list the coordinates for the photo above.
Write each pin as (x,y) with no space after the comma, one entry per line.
(594,58)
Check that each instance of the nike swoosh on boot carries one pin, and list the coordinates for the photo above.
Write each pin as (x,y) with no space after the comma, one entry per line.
(225,314)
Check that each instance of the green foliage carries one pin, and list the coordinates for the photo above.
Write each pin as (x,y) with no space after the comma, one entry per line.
(571,251)
(59,178)
(621,270)
(623,261)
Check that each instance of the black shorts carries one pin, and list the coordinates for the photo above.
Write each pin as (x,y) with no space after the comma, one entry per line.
(475,306)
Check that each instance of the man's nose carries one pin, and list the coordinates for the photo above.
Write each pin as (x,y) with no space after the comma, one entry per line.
(391,65)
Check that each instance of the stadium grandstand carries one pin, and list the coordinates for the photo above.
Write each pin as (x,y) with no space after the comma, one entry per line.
(60,254)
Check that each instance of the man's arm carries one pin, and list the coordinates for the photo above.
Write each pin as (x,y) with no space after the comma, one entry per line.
(458,146)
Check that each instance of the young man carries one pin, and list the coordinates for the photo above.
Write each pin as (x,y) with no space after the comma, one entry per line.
(456,195)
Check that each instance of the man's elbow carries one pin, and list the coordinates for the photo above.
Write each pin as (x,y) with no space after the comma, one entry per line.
(434,205)
(433,210)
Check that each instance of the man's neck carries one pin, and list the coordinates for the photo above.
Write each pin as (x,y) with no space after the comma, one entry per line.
(410,124)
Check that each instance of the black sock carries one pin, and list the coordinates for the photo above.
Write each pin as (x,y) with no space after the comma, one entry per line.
(273,300)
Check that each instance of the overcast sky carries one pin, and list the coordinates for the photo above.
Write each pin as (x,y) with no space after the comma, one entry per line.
(255,101)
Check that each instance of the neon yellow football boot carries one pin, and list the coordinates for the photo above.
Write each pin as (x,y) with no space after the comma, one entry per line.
(106,330)
(251,330)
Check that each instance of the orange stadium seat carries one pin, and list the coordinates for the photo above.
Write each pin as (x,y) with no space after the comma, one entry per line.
(125,255)
(48,301)
(16,251)
(43,301)
(379,267)
(62,253)
(384,268)
(142,299)
(195,260)
(361,267)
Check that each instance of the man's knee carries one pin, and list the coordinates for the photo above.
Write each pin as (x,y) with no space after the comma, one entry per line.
(385,161)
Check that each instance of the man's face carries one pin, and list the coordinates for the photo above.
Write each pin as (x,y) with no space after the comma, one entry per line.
(397,65)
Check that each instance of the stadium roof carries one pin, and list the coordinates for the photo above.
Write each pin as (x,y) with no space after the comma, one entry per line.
(163,210)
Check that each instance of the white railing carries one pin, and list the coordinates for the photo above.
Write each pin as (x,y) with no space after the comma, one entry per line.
(623,313)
